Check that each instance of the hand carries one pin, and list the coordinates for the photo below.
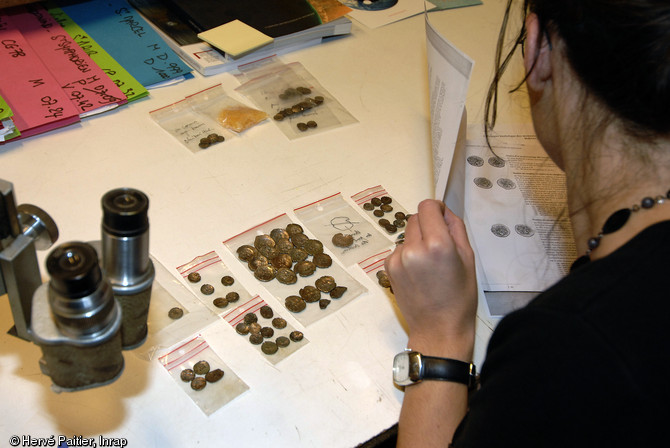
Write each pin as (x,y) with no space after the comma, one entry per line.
(433,278)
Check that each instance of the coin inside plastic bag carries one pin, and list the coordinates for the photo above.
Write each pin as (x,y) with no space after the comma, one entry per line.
(265,273)
(207,289)
(338,292)
(187,375)
(201,367)
(295,304)
(313,247)
(256,339)
(269,348)
(342,240)
(227,280)
(325,283)
(296,336)
(198,383)
(242,328)
(246,252)
(310,294)
(175,313)
(214,376)
(322,261)
(220,302)
(279,323)
(266,311)
(278,234)
(294,229)
(283,341)
(323,303)
(286,276)
(305,268)
(250,318)
(193,277)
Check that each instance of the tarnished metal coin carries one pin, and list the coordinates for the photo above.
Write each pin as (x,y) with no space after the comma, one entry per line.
(313,247)
(279,323)
(304,90)
(296,336)
(322,261)
(267,332)
(298,255)
(204,143)
(269,348)
(325,283)
(323,303)
(399,223)
(299,239)
(383,279)
(278,116)
(242,328)
(311,124)
(250,318)
(391,228)
(265,273)
(214,376)
(220,302)
(257,261)
(198,383)
(286,276)
(378,213)
(294,229)
(256,339)
(319,99)
(194,277)
(376,202)
(304,268)
(207,289)
(283,341)
(187,375)
(386,208)
(384,222)
(227,280)
(284,245)
(386,199)
(295,304)
(399,215)
(246,252)
(266,312)
(175,313)
(263,241)
(201,367)
(232,297)
(255,328)
(302,126)
(278,234)
(268,252)
(368,206)
(282,261)
(338,292)
(342,240)
(310,294)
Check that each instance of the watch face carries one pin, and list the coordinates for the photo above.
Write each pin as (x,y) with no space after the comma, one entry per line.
(401,369)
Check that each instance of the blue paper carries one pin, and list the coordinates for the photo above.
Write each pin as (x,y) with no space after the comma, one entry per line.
(129,39)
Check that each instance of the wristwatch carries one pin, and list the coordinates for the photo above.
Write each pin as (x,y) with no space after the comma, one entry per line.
(410,367)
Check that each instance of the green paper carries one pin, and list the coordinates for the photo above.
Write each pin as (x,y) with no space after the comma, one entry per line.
(124,80)
(6,114)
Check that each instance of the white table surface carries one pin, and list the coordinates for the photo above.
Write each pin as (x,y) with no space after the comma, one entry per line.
(337,390)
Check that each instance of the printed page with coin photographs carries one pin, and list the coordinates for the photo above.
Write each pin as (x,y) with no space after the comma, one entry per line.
(516,209)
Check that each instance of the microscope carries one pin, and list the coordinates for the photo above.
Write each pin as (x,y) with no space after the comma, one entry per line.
(96,302)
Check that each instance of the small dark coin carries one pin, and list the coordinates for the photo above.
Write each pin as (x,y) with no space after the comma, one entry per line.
(207,289)
(386,208)
(299,239)
(257,261)
(279,323)
(278,234)
(378,213)
(278,116)
(323,303)
(246,252)
(304,268)
(227,280)
(201,367)
(175,313)
(232,297)
(266,312)
(269,347)
(319,99)
(194,277)
(220,138)
(286,276)
(376,202)
(268,252)
(325,283)
(214,376)
(283,341)
(265,273)
(255,328)
(242,328)
(303,90)
(284,245)
(204,143)
(296,336)
(313,247)
(391,228)
(298,255)
(295,304)
(368,206)
(267,332)
(399,223)
(198,383)
(282,261)
(383,279)
(302,126)
(187,375)
(213,138)
(220,302)
(250,318)
(322,261)
(263,241)
(386,199)
(337,292)
(399,215)
(311,124)
(384,222)
(310,294)
(294,229)
(342,240)
(256,339)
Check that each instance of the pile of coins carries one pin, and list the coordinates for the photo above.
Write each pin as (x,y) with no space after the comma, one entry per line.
(302,127)
(262,335)
(207,289)
(380,207)
(200,375)
(211,139)
(312,294)
(300,106)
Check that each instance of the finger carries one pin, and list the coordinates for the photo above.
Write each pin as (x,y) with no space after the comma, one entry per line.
(433,225)
(456,228)
(413,229)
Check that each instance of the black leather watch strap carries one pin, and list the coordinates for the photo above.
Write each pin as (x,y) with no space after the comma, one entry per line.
(446,369)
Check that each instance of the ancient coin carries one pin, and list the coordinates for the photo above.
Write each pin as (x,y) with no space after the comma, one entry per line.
(296,336)
(256,339)
(267,332)
(298,255)
(201,367)
(279,323)
(295,304)
(175,313)
(319,99)
(500,230)
(286,276)
(207,289)
(310,294)
(232,297)
(342,240)
(302,126)
(255,328)
(250,318)
(383,279)
(220,302)
(266,311)
(376,202)
(214,376)
(313,247)
(399,223)
(193,277)
(322,261)
(187,375)
(368,206)
(378,213)
(399,215)
(278,234)
(204,143)
(325,283)
(269,348)
(265,273)
(242,328)
(282,261)
(323,303)
(386,200)
(391,228)
(278,116)
(227,280)
(475,161)
(263,240)
(294,229)
(304,268)
(384,222)
(257,261)
(299,239)
(246,252)
(283,341)
(386,208)
(198,383)
(284,245)
(337,292)
(304,90)
(268,252)
(311,124)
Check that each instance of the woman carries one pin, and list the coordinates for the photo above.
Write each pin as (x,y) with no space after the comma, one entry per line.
(586,363)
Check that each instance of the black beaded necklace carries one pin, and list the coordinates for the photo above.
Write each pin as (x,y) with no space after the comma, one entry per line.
(615,222)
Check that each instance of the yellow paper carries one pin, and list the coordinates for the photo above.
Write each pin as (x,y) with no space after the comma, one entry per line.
(235,38)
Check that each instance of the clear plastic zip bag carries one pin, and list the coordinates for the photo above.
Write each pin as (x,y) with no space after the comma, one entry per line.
(295,269)
(201,374)
(373,267)
(384,210)
(296,101)
(216,105)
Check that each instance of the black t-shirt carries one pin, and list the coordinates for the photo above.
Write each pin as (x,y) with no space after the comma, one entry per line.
(587,363)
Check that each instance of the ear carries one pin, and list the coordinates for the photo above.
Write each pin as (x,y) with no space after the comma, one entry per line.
(537,54)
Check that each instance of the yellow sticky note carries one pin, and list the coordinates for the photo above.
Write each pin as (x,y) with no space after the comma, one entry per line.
(235,38)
